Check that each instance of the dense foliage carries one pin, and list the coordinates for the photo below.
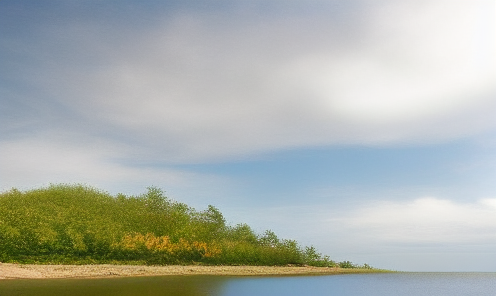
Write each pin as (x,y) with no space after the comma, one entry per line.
(79,225)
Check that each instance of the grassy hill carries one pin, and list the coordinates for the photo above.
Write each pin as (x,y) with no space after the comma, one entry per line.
(76,224)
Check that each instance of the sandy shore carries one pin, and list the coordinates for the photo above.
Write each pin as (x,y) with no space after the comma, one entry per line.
(29,271)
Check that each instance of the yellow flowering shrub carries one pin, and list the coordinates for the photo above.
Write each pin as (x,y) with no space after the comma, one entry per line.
(162,244)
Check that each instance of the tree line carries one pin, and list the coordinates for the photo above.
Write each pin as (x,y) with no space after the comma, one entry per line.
(77,224)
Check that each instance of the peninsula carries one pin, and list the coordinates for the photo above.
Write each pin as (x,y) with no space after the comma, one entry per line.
(78,231)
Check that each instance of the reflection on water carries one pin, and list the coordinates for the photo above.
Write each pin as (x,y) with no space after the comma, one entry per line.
(393,284)
(146,286)
(385,284)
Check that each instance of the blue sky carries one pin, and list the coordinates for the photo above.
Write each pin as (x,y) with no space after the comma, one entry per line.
(365,129)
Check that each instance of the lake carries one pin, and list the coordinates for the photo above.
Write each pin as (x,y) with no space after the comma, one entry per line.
(383,284)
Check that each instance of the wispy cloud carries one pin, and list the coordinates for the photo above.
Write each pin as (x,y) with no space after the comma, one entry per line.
(50,158)
(201,86)
(428,221)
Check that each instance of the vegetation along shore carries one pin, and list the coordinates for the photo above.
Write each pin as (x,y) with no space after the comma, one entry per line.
(78,225)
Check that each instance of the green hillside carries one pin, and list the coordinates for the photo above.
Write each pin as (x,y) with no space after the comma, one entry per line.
(75,224)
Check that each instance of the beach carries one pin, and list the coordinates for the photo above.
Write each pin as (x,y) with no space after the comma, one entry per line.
(35,271)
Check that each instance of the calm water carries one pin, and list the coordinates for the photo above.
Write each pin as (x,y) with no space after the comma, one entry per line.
(398,284)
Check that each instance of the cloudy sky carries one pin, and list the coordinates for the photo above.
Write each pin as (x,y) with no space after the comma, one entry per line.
(365,128)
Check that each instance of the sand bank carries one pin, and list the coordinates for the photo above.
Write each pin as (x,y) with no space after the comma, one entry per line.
(31,271)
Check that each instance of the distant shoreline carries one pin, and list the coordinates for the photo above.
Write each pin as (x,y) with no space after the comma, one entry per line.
(34,271)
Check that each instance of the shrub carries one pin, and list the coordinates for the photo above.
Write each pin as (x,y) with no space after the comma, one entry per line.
(80,224)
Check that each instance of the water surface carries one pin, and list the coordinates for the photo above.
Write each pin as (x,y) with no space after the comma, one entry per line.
(392,284)
(129,286)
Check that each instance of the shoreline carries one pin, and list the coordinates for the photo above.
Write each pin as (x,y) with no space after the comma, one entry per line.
(35,271)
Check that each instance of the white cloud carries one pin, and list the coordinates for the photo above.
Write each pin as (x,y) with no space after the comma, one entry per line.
(489,202)
(54,158)
(424,221)
(199,87)
(418,64)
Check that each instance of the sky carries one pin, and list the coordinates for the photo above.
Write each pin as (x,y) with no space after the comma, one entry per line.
(363,128)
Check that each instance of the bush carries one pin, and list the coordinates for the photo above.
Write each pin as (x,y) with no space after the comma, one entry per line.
(79,224)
